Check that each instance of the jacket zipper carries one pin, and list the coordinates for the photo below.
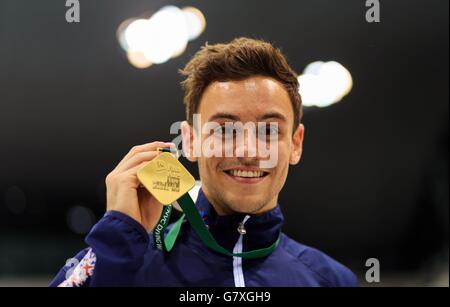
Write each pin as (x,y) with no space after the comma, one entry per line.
(238,272)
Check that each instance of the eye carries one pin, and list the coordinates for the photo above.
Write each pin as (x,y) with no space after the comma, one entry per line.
(268,130)
(271,130)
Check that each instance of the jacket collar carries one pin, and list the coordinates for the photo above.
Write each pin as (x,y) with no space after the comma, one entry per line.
(261,230)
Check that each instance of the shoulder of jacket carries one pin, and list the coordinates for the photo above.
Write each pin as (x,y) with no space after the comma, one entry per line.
(330,271)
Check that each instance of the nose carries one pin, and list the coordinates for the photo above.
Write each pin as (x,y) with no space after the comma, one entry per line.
(246,144)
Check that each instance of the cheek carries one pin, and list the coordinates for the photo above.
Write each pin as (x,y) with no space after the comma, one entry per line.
(202,169)
(207,166)
(281,172)
(283,160)
(284,149)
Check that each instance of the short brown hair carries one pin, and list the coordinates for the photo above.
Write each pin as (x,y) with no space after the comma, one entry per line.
(240,59)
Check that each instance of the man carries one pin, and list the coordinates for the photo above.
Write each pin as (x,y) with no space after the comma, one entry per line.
(246,81)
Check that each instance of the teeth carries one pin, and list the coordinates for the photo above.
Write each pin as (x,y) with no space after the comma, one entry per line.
(246,174)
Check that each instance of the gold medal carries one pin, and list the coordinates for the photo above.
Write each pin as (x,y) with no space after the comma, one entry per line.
(166,178)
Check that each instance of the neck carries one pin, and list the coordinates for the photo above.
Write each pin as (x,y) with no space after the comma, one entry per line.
(224,209)
(262,228)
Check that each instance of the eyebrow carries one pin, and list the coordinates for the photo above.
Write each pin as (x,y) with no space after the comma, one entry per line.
(270,115)
(222,115)
(273,115)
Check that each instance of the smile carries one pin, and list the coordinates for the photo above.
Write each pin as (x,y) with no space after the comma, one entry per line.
(246,176)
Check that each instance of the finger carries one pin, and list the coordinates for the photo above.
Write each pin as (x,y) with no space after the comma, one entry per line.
(144,147)
(137,159)
(131,175)
(139,148)
(133,171)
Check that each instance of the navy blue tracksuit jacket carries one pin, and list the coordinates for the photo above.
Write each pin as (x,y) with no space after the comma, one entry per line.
(122,253)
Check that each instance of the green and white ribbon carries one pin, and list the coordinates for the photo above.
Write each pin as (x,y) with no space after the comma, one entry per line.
(191,213)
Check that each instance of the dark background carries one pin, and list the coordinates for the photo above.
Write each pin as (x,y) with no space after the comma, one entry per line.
(373,181)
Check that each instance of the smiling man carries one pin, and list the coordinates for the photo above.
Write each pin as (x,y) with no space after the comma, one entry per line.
(244,130)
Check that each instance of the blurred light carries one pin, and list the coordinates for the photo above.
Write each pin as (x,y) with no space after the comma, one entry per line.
(120,33)
(163,36)
(138,59)
(15,200)
(324,83)
(195,21)
(136,35)
(80,219)
(167,36)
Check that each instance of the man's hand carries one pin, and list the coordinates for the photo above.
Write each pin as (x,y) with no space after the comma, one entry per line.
(123,189)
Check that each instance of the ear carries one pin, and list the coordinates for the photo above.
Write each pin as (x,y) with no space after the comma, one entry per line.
(297,145)
(187,135)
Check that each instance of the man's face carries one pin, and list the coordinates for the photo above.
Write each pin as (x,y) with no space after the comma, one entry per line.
(227,181)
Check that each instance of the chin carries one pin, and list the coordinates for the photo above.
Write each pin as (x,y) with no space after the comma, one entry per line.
(245,204)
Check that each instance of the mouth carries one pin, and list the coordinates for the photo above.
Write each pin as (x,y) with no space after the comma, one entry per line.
(246,176)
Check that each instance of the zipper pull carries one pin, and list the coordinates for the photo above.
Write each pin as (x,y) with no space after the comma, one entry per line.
(241,228)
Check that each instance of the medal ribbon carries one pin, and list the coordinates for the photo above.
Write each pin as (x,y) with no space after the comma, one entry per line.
(191,213)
